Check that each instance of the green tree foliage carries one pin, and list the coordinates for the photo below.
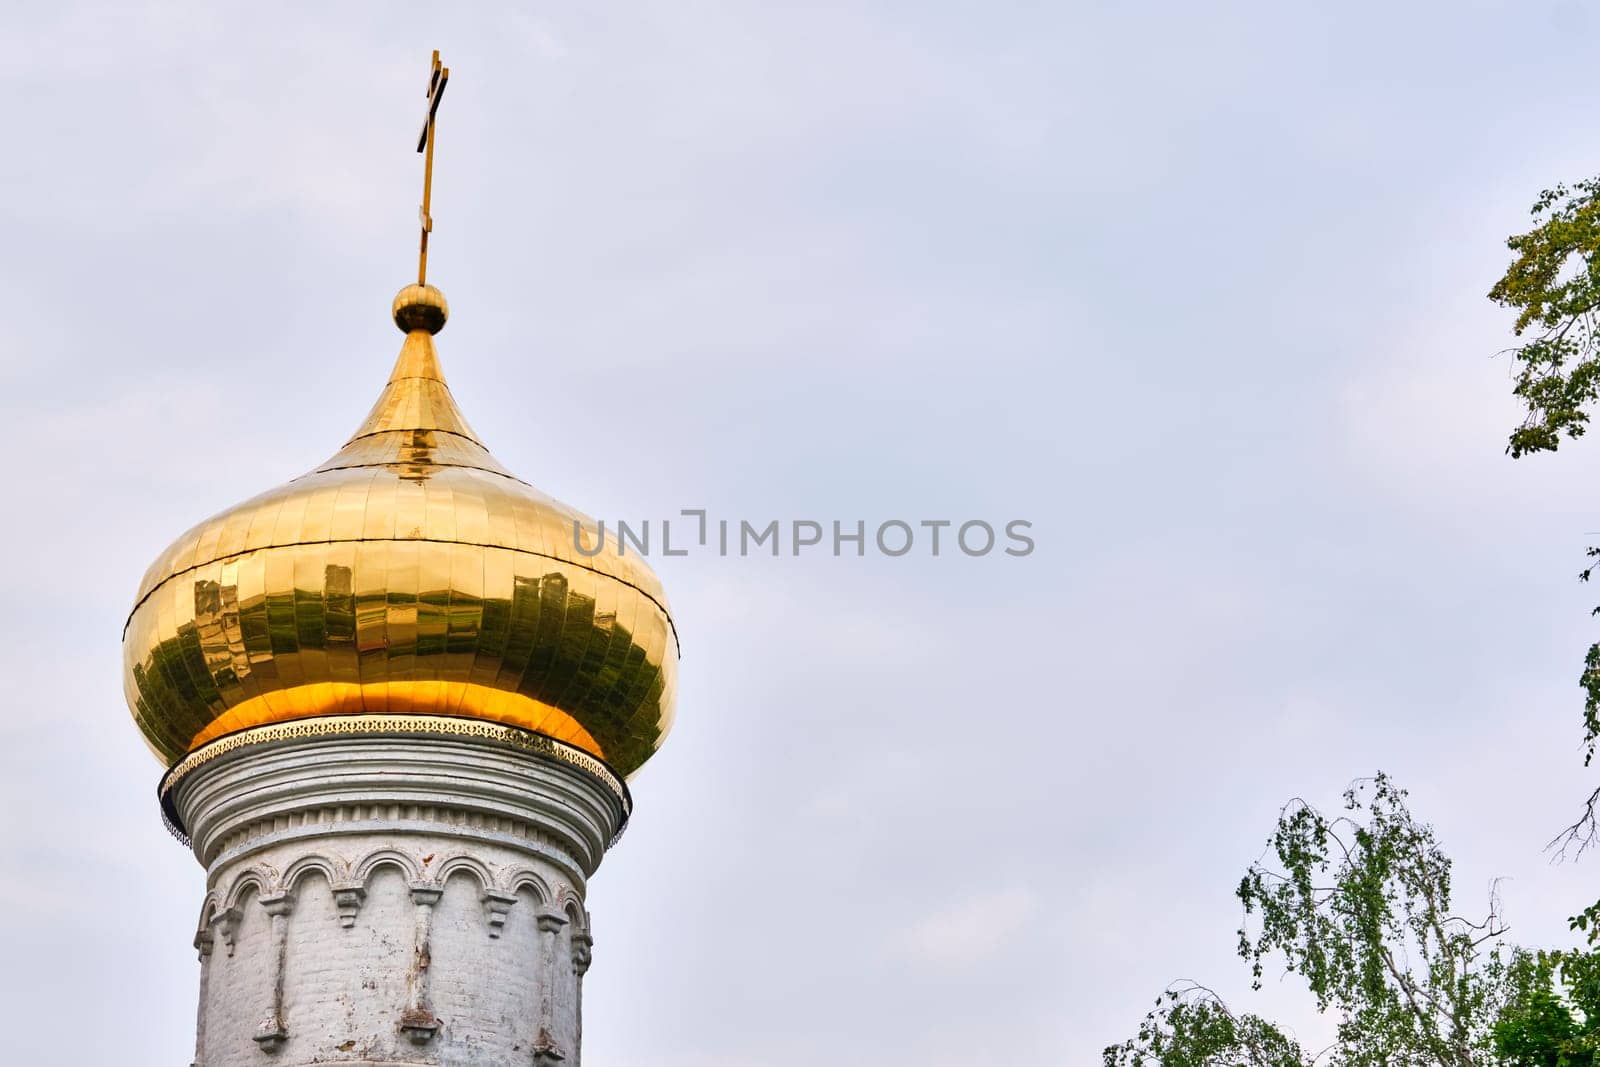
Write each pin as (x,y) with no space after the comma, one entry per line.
(1360,908)
(1192,1027)
(1553,284)
(1552,1013)
(1357,904)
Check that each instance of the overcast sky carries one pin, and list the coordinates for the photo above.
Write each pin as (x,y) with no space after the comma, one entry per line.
(1200,295)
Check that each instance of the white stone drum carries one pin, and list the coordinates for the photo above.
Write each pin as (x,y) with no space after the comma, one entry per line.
(393,900)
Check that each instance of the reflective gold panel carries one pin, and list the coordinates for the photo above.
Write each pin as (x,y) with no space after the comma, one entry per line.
(410,574)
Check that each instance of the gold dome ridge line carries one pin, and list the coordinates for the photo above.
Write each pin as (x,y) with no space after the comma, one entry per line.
(414,429)
(407,541)
(402,463)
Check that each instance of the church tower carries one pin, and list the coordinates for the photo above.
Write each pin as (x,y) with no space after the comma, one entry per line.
(398,699)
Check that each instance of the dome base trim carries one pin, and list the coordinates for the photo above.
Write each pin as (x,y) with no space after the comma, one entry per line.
(449,699)
(402,725)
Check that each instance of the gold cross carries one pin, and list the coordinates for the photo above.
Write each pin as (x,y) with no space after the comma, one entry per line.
(437,80)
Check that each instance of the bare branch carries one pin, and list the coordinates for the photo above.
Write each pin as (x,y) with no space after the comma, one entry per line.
(1576,839)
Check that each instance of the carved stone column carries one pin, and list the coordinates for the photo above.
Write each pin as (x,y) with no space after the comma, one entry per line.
(582,955)
(419,1024)
(547,1048)
(273,1033)
(205,942)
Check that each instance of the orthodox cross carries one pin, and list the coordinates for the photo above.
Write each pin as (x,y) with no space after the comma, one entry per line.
(437,79)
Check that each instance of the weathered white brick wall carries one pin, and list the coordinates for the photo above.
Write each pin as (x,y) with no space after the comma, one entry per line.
(237,990)
(504,1007)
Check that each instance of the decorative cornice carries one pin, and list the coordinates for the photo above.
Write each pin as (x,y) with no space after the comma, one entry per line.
(332,726)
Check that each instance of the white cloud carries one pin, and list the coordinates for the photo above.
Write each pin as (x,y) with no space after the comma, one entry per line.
(971,931)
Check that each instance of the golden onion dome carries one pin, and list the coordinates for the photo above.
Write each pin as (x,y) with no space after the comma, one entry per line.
(409,575)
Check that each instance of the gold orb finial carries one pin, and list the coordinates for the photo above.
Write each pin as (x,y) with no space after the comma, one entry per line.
(420,307)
